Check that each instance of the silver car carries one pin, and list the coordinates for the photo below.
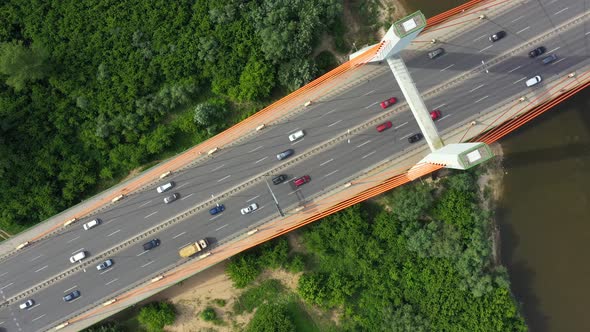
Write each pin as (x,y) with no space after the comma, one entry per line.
(250,208)
(105,265)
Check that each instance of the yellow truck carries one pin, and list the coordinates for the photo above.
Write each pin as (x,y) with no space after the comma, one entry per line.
(193,248)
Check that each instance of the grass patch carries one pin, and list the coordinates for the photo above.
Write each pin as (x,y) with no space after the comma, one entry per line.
(219,302)
(302,320)
(255,296)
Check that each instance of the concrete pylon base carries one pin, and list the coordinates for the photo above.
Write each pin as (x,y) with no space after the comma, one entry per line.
(457,156)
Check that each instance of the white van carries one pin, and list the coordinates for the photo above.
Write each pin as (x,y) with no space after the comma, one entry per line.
(296,135)
(78,257)
(165,187)
(91,223)
(533,81)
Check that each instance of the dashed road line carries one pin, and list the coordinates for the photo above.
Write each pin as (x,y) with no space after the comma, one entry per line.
(480,99)
(78,250)
(184,245)
(110,282)
(555,49)
(368,93)
(33,259)
(365,143)
(403,124)
(141,253)
(373,104)
(519,31)
(148,263)
(217,216)
(144,204)
(561,11)
(480,37)
(524,78)
(408,135)
(514,69)
(113,233)
(447,67)
(444,117)
(439,106)
(259,160)
(10,284)
(253,198)
(41,269)
(182,185)
(220,166)
(181,234)
(224,178)
(221,227)
(34,319)
(477,87)
(326,162)
(3,274)
(69,289)
(255,149)
(331,173)
(297,141)
(74,239)
(558,61)
(149,215)
(335,123)
(110,221)
(516,19)
(187,196)
(368,154)
(105,271)
(485,48)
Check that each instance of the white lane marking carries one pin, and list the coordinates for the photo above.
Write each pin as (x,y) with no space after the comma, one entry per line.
(113,233)
(334,110)
(217,216)
(480,99)
(524,78)
(358,146)
(328,161)
(253,198)
(408,135)
(34,319)
(184,245)
(144,204)
(291,193)
(110,282)
(519,31)
(74,239)
(293,130)
(69,289)
(587,33)
(259,160)
(41,269)
(485,48)
(145,251)
(10,284)
(558,61)
(3,274)
(35,306)
(368,154)
(2,322)
(221,227)
(550,2)
(439,106)
(516,19)
(368,93)
(403,124)
(218,167)
(76,299)
(258,148)
(444,117)
(78,250)
(105,271)
(335,123)
(223,178)
(297,141)
(477,87)
(148,263)
(555,49)
(375,103)
(480,37)
(262,207)
(181,234)
(511,70)
(185,184)
(561,11)
(447,67)
(149,215)
(110,221)
(333,172)
(187,196)
(31,260)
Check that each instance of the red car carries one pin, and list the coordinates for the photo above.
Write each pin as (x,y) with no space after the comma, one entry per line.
(383,126)
(301,181)
(386,103)
(434,115)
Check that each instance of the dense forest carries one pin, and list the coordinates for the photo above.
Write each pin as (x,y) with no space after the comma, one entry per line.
(90,90)
(420,260)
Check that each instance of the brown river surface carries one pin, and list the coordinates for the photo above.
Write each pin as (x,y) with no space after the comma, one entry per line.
(544,213)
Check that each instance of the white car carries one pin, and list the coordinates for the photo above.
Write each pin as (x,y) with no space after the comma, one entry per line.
(27,304)
(78,257)
(165,187)
(91,223)
(105,265)
(296,135)
(533,81)
(250,208)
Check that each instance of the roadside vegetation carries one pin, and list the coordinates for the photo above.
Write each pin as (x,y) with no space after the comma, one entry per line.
(91,90)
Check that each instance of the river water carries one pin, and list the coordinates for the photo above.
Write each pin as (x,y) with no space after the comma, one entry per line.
(544,213)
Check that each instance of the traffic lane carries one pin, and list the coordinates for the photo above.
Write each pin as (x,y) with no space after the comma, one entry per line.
(7,322)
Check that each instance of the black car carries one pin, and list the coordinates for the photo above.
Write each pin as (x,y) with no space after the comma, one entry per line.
(497,36)
(285,154)
(73,295)
(151,245)
(171,198)
(217,209)
(537,51)
(415,138)
(279,179)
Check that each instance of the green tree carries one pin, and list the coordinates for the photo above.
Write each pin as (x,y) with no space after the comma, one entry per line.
(271,318)
(242,270)
(154,316)
(257,80)
(208,314)
(105,327)
(23,64)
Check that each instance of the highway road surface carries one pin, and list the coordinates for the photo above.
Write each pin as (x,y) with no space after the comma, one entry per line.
(333,165)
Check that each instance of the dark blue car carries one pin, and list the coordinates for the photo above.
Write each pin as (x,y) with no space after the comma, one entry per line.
(217,209)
